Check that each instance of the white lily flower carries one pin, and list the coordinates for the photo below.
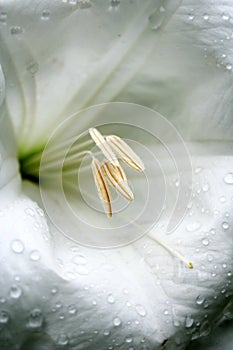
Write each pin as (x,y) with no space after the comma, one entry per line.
(63,62)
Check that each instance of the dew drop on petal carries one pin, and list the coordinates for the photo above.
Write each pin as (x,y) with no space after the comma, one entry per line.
(45,16)
(16,30)
(79,260)
(82,270)
(54,290)
(106,333)
(228,178)
(116,321)
(15,292)
(191,17)
(225,17)
(189,321)
(35,319)
(205,241)
(156,19)
(222,199)
(115,3)
(225,225)
(72,309)
(206,17)
(3,17)
(111,299)
(193,226)
(32,68)
(62,339)
(35,255)
(229,66)
(205,188)
(129,339)
(4,317)
(140,310)
(198,170)
(200,300)
(213,231)
(29,211)
(17,246)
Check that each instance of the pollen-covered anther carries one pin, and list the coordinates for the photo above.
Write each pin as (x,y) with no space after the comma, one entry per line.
(102,186)
(125,152)
(103,146)
(117,179)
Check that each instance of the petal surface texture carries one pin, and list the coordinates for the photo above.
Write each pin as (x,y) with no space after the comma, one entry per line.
(59,57)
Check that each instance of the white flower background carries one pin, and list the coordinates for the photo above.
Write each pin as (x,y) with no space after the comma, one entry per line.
(59,57)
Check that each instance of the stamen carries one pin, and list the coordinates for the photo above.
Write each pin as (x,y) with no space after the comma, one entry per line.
(116,177)
(125,152)
(103,145)
(172,251)
(102,186)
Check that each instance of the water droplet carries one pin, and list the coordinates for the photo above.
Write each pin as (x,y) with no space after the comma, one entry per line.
(35,319)
(84,4)
(225,225)
(54,290)
(111,299)
(213,231)
(166,312)
(140,310)
(205,188)
(225,17)
(229,66)
(79,260)
(45,16)
(191,17)
(156,19)
(29,211)
(15,292)
(222,199)
(206,17)
(2,300)
(210,257)
(35,255)
(189,321)
(228,178)
(3,17)
(128,339)
(32,68)
(198,170)
(115,3)
(17,246)
(4,317)
(82,270)
(58,305)
(200,300)
(177,183)
(193,226)
(106,333)
(62,339)
(205,241)
(16,30)
(72,309)
(117,321)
